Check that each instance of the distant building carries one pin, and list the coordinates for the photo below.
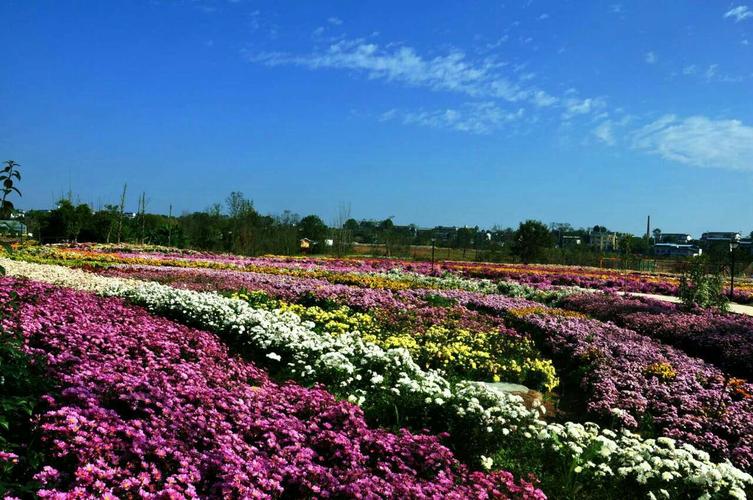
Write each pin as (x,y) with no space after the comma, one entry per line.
(442,233)
(678,238)
(720,236)
(747,243)
(570,241)
(676,250)
(604,240)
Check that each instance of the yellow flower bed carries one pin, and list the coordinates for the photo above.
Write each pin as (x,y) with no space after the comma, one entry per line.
(490,356)
(662,371)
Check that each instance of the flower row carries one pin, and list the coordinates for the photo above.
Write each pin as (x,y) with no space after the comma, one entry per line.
(448,342)
(150,408)
(725,340)
(616,368)
(604,461)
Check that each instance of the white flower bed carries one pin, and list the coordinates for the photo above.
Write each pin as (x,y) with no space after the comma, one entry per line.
(367,374)
(450,281)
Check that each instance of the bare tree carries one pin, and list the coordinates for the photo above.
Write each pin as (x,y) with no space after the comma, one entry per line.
(343,238)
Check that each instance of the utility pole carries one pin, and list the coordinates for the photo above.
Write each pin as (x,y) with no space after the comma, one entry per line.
(432,254)
(142,210)
(170,226)
(122,209)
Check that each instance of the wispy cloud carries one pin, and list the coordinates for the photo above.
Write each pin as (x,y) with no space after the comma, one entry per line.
(605,132)
(739,13)
(476,118)
(651,57)
(690,69)
(335,21)
(451,72)
(575,106)
(698,141)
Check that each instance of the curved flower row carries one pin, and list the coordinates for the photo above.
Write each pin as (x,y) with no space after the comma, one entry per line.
(604,461)
(723,339)
(459,350)
(656,387)
(700,406)
(150,408)
(685,407)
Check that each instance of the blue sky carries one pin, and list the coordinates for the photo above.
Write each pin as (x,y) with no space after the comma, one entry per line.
(463,113)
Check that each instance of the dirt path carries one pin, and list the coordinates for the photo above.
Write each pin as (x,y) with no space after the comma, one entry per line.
(735,308)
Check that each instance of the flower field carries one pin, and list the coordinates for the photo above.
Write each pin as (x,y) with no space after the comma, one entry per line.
(543,277)
(180,374)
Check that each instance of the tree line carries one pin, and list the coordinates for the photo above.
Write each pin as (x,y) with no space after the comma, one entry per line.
(236,226)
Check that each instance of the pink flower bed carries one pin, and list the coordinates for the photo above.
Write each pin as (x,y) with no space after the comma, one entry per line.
(147,407)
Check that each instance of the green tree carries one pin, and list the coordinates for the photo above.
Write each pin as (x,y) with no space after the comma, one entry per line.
(700,288)
(531,240)
(7,174)
(313,228)
(67,221)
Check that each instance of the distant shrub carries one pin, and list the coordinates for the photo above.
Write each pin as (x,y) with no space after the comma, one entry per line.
(699,288)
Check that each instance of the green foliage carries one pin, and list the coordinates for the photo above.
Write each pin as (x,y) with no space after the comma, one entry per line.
(7,175)
(531,240)
(439,301)
(699,288)
(22,384)
(313,228)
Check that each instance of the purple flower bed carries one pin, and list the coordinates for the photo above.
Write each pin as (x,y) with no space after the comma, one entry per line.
(658,388)
(538,276)
(147,407)
(615,367)
(725,340)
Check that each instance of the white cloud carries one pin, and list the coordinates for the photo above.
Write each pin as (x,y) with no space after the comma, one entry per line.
(690,69)
(475,118)
(542,99)
(575,106)
(616,8)
(451,72)
(699,141)
(604,132)
(335,21)
(651,57)
(543,16)
(740,13)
